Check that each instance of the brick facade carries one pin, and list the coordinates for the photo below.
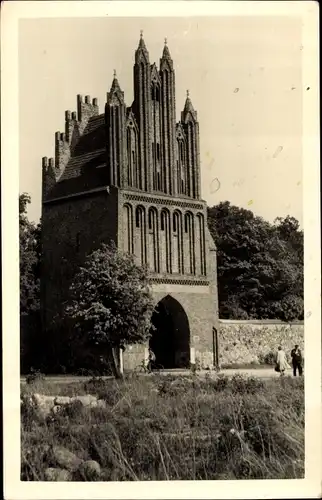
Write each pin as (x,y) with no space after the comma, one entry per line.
(132,175)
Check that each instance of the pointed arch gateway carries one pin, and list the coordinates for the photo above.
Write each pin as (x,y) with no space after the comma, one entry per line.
(170,340)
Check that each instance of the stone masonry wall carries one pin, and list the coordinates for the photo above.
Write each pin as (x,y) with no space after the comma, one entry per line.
(71,230)
(254,342)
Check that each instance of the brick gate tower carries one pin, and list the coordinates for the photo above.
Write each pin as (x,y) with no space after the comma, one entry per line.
(132,175)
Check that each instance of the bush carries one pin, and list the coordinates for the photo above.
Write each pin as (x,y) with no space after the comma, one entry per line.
(246,385)
(267,359)
(35,376)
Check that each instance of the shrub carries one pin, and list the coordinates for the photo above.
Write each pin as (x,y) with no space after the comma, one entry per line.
(267,359)
(34,376)
(246,385)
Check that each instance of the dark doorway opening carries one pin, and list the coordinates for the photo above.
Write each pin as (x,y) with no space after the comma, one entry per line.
(170,341)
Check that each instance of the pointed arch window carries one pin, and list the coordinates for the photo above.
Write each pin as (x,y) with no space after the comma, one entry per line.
(155,92)
(153,240)
(128,228)
(182,166)
(132,148)
(140,234)
(165,241)
(177,249)
(200,244)
(189,262)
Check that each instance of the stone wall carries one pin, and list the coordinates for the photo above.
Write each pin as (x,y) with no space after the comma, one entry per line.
(254,342)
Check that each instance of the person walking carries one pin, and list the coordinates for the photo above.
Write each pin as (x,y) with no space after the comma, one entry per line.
(296,356)
(281,361)
(151,362)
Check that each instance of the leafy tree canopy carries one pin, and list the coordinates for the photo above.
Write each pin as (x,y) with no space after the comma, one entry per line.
(110,299)
(260,265)
(29,243)
(30,329)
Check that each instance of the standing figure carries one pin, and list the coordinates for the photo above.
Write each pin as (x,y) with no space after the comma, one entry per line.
(296,356)
(151,362)
(281,361)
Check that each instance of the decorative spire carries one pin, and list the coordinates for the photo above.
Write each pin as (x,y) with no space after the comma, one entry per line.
(141,42)
(188,107)
(141,49)
(166,52)
(115,88)
(115,83)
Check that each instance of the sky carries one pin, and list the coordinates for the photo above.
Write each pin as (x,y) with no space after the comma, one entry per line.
(244,76)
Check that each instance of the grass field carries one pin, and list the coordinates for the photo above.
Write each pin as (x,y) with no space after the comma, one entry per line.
(172,428)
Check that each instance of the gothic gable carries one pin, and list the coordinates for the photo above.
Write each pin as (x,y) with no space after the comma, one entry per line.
(155,74)
(180,134)
(131,120)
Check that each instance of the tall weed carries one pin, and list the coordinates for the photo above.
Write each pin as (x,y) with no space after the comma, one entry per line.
(175,428)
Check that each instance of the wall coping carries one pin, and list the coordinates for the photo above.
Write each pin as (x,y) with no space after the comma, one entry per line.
(78,194)
(258,322)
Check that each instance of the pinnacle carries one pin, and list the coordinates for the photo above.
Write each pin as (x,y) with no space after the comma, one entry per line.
(141,50)
(188,104)
(166,52)
(141,42)
(115,82)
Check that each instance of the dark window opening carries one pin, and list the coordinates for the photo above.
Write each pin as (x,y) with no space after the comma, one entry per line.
(174,222)
(155,93)
(158,181)
(162,221)
(158,152)
(138,218)
(150,220)
(186,224)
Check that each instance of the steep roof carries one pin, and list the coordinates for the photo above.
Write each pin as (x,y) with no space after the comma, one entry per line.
(86,168)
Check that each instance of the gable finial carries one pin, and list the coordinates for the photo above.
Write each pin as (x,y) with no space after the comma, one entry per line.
(165,41)
(141,34)
(188,93)
(114,73)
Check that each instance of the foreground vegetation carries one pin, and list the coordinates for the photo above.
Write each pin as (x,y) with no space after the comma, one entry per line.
(170,428)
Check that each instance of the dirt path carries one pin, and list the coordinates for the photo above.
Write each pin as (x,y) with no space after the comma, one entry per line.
(263,373)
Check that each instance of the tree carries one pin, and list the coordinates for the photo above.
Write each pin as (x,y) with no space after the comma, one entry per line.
(260,265)
(29,259)
(110,301)
(29,249)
